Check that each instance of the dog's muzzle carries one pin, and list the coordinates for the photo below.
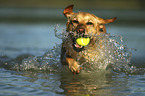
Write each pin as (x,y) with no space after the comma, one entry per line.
(80,33)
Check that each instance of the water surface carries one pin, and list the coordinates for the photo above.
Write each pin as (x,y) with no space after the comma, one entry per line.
(20,40)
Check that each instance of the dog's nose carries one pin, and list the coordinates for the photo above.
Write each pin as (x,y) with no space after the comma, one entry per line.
(80,30)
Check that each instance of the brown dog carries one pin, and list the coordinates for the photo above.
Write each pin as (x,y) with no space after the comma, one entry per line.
(85,25)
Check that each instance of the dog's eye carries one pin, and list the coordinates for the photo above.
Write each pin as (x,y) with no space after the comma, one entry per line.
(89,23)
(75,21)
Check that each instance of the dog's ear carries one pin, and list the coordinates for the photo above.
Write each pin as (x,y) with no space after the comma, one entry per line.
(68,10)
(105,21)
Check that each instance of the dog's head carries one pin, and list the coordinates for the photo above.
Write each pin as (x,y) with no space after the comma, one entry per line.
(83,24)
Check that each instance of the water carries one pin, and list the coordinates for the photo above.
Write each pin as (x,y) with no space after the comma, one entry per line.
(30,64)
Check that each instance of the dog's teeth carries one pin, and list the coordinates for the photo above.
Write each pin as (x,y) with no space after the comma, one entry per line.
(78,46)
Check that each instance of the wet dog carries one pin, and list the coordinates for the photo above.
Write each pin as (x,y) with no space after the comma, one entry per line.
(81,24)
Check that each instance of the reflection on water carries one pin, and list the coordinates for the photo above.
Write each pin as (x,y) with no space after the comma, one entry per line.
(85,84)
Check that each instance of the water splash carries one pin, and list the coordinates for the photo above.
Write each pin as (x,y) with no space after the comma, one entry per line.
(112,54)
(49,62)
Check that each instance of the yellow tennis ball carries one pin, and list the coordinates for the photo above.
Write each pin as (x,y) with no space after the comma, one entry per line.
(83,41)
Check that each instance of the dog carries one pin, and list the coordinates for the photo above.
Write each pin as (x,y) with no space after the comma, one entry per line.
(81,24)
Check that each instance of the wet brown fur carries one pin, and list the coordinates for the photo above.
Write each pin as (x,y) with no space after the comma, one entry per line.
(76,23)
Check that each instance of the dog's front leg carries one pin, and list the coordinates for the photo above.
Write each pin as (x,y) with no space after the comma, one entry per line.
(73,65)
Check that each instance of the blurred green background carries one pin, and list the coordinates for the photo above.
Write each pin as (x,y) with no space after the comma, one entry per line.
(127,11)
(96,4)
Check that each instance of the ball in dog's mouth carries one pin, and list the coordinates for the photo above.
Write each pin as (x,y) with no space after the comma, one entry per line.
(80,42)
(83,41)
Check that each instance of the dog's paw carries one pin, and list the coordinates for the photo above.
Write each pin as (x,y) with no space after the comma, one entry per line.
(75,68)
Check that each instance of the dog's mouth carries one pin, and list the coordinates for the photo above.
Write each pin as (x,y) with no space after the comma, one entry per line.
(80,34)
(76,46)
